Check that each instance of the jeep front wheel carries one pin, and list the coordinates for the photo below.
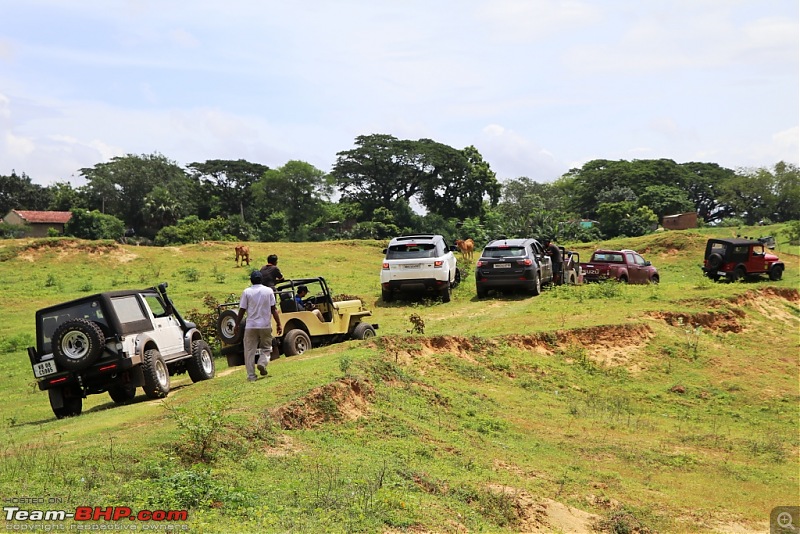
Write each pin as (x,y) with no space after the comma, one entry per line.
(363,331)
(738,274)
(296,342)
(77,344)
(201,364)
(776,273)
(156,375)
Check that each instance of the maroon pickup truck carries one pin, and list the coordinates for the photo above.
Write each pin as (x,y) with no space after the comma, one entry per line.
(621,265)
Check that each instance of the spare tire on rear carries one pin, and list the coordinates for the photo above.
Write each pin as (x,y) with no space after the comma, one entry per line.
(226,323)
(77,343)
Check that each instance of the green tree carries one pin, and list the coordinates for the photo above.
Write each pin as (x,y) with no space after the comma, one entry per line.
(665,200)
(625,218)
(63,197)
(787,192)
(18,192)
(226,185)
(703,182)
(297,189)
(383,170)
(750,194)
(119,187)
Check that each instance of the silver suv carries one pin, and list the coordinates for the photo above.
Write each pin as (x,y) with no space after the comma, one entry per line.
(115,342)
(419,262)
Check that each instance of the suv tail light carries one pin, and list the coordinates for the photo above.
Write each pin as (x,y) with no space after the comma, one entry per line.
(527,261)
(385,266)
(438,263)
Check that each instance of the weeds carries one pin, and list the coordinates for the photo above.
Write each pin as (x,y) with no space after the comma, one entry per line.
(417,324)
(202,427)
(691,337)
(190,274)
(623,521)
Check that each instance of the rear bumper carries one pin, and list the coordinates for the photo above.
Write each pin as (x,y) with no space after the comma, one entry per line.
(96,376)
(414,285)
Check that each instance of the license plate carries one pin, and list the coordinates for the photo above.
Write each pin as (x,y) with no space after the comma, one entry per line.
(722,273)
(44,368)
(411,266)
(591,271)
(502,265)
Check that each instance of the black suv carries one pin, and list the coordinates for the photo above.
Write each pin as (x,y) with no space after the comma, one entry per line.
(513,264)
(115,342)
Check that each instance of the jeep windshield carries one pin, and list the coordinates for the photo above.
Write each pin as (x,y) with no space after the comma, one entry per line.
(411,251)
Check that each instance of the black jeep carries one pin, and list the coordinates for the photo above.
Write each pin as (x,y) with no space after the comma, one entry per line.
(115,342)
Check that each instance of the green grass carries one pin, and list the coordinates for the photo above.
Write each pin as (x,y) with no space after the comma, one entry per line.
(586,395)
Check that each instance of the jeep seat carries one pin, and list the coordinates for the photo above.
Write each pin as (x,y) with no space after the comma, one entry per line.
(288,304)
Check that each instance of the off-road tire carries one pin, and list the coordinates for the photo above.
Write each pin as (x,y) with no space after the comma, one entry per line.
(776,273)
(73,405)
(201,365)
(122,393)
(715,260)
(296,342)
(481,292)
(445,293)
(739,273)
(156,375)
(386,295)
(363,331)
(623,279)
(655,279)
(77,343)
(225,325)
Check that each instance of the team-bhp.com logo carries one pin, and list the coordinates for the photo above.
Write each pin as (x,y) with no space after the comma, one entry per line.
(93,513)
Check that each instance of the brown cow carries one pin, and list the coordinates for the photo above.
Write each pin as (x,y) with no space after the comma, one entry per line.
(465,247)
(242,252)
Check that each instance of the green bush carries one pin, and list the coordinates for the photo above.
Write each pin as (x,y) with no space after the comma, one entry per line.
(87,224)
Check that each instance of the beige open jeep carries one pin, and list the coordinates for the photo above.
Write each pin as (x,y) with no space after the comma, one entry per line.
(302,329)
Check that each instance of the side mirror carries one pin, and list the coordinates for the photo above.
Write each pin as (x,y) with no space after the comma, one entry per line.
(384,250)
(647,263)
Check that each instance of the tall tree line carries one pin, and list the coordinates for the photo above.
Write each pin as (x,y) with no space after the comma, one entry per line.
(386,186)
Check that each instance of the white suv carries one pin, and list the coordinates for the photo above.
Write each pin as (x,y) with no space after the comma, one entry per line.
(419,262)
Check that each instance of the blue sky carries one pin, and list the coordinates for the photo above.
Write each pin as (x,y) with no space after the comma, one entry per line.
(538,86)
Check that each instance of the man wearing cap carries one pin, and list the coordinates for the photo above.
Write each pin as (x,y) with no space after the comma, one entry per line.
(258,302)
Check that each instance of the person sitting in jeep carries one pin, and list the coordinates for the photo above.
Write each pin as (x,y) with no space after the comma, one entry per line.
(307,305)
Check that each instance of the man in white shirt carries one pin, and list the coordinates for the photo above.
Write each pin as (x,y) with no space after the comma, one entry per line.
(258,301)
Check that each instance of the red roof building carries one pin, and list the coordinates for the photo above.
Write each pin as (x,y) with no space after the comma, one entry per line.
(39,222)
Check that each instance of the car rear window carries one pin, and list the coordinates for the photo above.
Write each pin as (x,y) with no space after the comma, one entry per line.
(611,258)
(50,321)
(411,251)
(503,252)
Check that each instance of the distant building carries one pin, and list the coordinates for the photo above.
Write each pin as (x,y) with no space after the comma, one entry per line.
(681,221)
(38,223)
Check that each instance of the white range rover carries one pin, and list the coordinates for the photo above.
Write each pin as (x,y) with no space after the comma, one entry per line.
(419,262)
